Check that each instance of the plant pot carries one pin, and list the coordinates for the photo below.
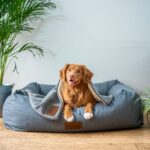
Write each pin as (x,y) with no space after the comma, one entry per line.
(147,118)
(5,91)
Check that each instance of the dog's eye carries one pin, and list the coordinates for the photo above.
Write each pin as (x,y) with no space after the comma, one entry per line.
(69,69)
(78,71)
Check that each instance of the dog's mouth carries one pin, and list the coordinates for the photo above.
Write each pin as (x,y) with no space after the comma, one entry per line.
(72,82)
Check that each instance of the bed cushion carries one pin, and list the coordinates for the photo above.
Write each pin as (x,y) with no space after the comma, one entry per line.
(122,113)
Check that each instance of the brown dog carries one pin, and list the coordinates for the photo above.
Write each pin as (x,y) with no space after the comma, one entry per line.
(75,91)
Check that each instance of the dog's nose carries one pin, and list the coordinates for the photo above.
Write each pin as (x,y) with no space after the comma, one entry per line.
(71,76)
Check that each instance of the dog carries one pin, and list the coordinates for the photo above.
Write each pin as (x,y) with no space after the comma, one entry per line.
(75,91)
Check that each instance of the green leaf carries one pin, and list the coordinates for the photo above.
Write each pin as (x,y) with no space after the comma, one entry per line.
(16,16)
(15,68)
(34,49)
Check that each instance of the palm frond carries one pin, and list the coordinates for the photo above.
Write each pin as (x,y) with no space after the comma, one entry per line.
(15,17)
(10,49)
(34,49)
(15,68)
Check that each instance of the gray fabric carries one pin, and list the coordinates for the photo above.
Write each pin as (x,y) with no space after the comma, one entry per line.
(33,87)
(122,113)
(5,91)
(42,104)
(105,99)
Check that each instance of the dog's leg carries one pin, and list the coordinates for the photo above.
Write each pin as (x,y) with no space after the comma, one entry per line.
(88,111)
(68,115)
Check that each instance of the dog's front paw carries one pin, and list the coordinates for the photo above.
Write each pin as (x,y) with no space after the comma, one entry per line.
(88,115)
(69,118)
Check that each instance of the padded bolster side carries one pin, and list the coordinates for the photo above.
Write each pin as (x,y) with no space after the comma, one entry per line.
(104,87)
(133,100)
(33,87)
(45,88)
(132,97)
(121,88)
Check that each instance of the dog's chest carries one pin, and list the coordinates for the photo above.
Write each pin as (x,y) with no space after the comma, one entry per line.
(75,97)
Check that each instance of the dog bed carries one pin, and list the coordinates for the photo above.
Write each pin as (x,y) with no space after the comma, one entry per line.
(38,107)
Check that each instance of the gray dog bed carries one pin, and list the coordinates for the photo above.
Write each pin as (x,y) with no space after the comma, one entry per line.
(38,107)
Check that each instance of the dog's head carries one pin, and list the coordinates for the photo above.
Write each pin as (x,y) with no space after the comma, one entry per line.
(75,74)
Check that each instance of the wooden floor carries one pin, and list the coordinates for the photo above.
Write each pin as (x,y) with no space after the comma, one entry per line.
(137,139)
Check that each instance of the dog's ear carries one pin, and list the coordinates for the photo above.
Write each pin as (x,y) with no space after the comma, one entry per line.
(63,72)
(87,75)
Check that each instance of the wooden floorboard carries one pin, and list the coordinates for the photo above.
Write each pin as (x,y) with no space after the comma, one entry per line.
(136,139)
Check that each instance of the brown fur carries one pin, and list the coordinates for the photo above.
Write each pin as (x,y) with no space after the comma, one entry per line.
(76,93)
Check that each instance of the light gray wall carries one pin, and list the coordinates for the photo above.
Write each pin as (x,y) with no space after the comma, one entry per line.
(112,37)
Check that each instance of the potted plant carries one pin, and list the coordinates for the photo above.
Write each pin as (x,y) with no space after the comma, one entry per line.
(146,108)
(15,18)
